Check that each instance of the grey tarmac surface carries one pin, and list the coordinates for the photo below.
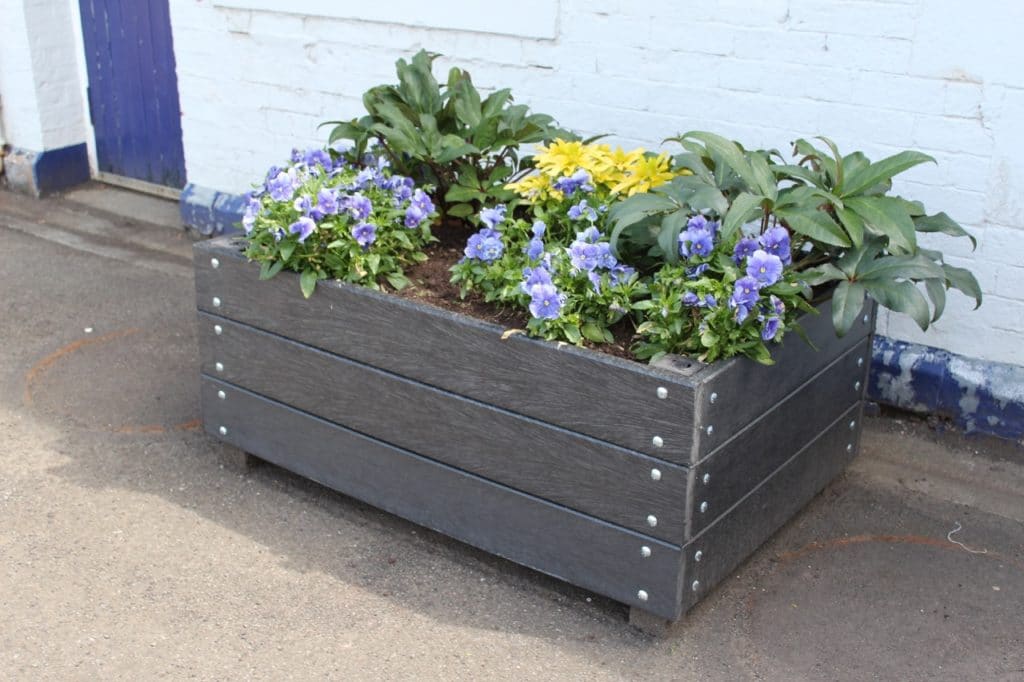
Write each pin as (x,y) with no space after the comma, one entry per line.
(128,551)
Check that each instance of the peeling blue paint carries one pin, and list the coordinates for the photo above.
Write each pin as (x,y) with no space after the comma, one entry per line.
(40,173)
(210,211)
(978,395)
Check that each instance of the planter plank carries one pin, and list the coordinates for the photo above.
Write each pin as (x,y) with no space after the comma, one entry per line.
(541,535)
(742,388)
(523,453)
(740,464)
(752,521)
(590,393)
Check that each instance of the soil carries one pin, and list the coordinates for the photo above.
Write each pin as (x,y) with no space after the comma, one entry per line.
(431,284)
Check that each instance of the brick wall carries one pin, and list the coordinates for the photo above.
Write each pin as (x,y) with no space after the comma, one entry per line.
(878,75)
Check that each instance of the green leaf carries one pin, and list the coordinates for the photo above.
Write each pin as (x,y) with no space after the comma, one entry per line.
(592,331)
(789,172)
(763,176)
(572,333)
(668,237)
(903,297)
(458,193)
(837,160)
(885,216)
(732,155)
(940,222)
(307,282)
(373,263)
(286,251)
(883,171)
(817,225)
(853,223)
(270,268)
(744,208)
(467,101)
(460,210)
(494,103)
(823,273)
(454,147)
(937,292)
(417,84)
(962,280)
(917,266)
(847,301)
(852,260)
(397,280)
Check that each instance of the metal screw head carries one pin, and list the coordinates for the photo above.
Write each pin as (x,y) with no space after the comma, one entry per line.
(219,366)
(704,506)
(222,395)
(698,555)
(641,595)
(713,397)
(223,430)
(655,474)
(853,424)
(214,262)
(695,586)
(856,386)
(865,318)
(218,330)
(657,441)
(710,429)
(652,520)
(662,392)
(849,447)
(216,302)
(860,362)
(706,478)
(645,551)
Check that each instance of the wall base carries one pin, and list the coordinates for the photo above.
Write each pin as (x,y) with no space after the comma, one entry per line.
(39,173)
(210,211)
(979,396)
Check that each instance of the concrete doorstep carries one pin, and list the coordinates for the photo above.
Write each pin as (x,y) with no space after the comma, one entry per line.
(130,551)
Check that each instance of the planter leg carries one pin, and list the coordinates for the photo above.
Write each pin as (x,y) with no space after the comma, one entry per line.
(647,622)
(236,460)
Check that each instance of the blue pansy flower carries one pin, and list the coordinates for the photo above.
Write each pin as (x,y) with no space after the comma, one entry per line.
(744,249)
(303,227)
(545,302)
(570,184)
(766,268)
(364,234)
(582,210)
(776,242)
(492,217)
(744,297)
(358,206)
(485,245)
(282,186)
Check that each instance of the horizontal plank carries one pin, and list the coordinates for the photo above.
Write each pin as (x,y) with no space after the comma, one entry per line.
(731,394)
(574,547)
(740,464)
(751,522)
(581,390)
(520,452)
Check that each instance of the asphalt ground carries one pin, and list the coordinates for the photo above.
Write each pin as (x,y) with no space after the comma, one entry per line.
(128,550)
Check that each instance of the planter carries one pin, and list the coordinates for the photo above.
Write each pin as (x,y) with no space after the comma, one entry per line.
(646,484)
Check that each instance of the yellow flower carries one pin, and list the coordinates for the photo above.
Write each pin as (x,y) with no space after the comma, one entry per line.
(647,172)
(531,184)
(611,167)
(562,158)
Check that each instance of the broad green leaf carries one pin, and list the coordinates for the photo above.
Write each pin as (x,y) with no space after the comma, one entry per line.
(346,130)
(789,172)
(808,150)
(852,223)
(454,147)
(495,102)
(883,171)
(572,333)
(467,102)
(417,84)
(397,280)
(855,258)
(668,237)
(286,250)
(962,280)
(817,225)
(823,273)
(373,263)
(765,181)
(940,222)
(902,297)
(458,193)
(917,266)
(592,331)
(885,216)
(937,292)
(745,207)
(638,207)
(837,160)
(460,210)
(731,154)
(268,269)
(847,301)
(307,282)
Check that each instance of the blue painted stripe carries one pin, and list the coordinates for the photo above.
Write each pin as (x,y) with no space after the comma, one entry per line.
(210,211)
(49,171)
(978,395)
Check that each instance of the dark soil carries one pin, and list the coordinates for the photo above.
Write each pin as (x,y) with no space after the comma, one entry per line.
(431,284)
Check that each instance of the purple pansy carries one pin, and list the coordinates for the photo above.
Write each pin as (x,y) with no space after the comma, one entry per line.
(744,297)
(535,249)
(485,245)
(315,157)
(582,210)
(776,242)
(583,256)
(492,217)
(699,222)
(538,229)
(282,186)
(691,299)
(696,241)
(545,302)
(533,277)
(744,248)
(364,234)
(252,209)
(327,201)
(770,328)
(765,267)
(303,227)
(568,185)
(358,206)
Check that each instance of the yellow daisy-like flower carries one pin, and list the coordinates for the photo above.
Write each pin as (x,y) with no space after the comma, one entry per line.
(612,166)
(646,173)
(529,186)
(562,158)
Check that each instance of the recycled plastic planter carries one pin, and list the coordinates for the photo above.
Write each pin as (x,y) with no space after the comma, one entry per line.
(645,484)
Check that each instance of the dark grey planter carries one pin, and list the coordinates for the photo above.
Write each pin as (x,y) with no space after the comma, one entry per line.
(645,484)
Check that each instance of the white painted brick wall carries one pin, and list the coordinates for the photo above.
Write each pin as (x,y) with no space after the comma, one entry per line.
(877,75)
(40,83)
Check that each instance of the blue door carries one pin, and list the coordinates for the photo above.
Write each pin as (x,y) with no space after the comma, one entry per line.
(133,90)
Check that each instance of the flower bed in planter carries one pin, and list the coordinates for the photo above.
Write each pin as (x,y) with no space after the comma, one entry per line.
(646,484)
